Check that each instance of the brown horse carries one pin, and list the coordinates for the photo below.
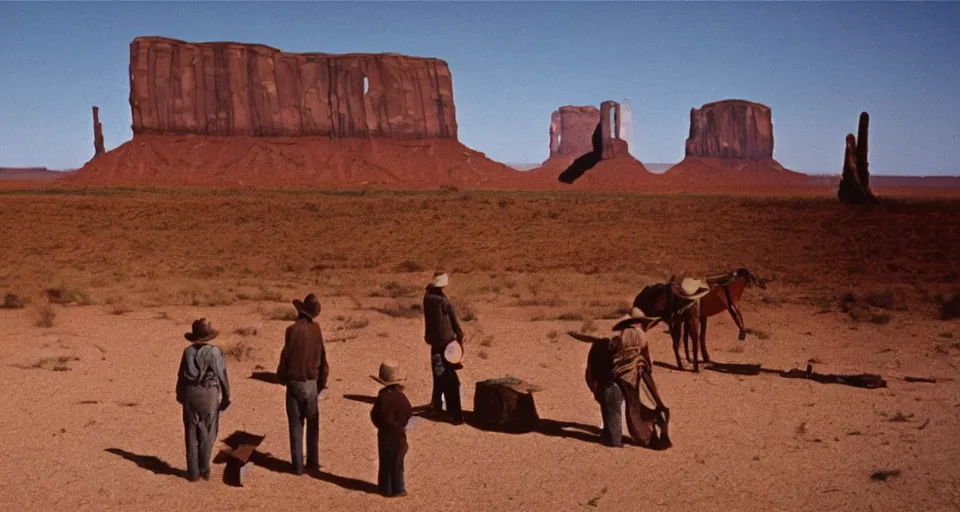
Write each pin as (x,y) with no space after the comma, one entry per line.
(725,293)
(681,315)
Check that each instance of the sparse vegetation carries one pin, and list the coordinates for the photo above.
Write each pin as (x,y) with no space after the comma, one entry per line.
(759,334)
(395,290)
(45,316)
(570,317)
(483,354)
(282,314)
(547,302)
(553,336)
(409,266)
(57,364)
(736,349)
(65,294)
(238,350)
(119,308)
(883,300)
(356,323)
(11,301)
(412,311)
(486,341)
(246,331)
(588,326)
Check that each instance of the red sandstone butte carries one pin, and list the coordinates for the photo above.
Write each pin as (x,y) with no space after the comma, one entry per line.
(731,143)
(731,129)
(235,89)
(247,115)
(571,130)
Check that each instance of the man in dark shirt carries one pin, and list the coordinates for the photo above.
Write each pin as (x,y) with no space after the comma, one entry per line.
(390,414)
(201,377)
(303,369)
(440,329)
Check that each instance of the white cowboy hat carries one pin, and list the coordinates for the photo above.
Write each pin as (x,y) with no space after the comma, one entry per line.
(389,374)
(636,316)
(440,279)
(691,289)
(453,352)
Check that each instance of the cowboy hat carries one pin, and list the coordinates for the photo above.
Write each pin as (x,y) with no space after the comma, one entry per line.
(201,331)
(636,316)
(309,306)
(389,374)
(440,279)
(453,352)
(691,289)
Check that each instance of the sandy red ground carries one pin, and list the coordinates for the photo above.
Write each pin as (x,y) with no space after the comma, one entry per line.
(91,422)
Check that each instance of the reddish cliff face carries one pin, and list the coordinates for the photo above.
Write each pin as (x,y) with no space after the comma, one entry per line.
(731,129)
(571,130)
(236,89)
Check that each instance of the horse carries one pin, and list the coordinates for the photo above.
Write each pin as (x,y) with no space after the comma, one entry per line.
(725,293)
(681,315)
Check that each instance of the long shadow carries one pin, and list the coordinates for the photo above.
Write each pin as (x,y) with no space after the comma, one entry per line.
(586,161)
(268,377)
(367,399)
(546,427)
(350,484)
(151,463)
(270,463)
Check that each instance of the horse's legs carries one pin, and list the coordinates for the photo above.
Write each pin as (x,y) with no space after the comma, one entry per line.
(738,319)
(703,339)
(675,332)
(686,337)
(692,326)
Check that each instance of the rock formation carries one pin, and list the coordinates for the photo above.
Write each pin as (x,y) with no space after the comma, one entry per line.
(731,129)
(855,180)
(98,148)
(571,130)
(613,144)
(235,89)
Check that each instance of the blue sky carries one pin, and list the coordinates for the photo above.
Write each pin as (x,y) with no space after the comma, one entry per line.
(817,65)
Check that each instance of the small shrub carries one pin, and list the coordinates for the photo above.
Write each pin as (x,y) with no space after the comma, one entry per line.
(409,266)
(412,311)
(240,350)
(552,336)
(119,309)
(761,335)
(283,314)
(246,331)
(483,354)
(57,364)
(487,341)
(570,317)
(45,316)
(395,290)
(736,349)
(11,301)
(549,302)
(588,326)
(467,314)
(359,323)
(881,319)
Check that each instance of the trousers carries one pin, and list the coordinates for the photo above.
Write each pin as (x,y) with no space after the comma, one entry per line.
(301,401)
(201,417)
(391,450)
(446,384)
(610,409)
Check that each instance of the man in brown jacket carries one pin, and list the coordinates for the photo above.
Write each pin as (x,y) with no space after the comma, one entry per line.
(303,369)
(440,329)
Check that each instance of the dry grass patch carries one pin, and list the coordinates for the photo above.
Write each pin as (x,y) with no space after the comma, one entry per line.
(409,266)
(545,302)
(398,311)
(56,364)
(487,341)
(119,308)
(281,314)
(395,290)
(239,350)
(760,334)
(11,301)
(45,316)
(356,323)
(246,331)
(570,317)
(66,294)
(553,336)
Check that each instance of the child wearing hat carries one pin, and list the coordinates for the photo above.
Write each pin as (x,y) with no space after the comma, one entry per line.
(390,414)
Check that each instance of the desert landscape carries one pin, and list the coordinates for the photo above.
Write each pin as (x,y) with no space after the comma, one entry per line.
(256,176)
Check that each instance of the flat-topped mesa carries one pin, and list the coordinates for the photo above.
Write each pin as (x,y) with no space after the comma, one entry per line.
(235,89)
(734,129)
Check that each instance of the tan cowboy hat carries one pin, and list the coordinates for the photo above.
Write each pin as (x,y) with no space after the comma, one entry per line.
(636,316)
(440,279)
(309,306)
(691,289)
(201,331)
(453,352)
(389,374)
